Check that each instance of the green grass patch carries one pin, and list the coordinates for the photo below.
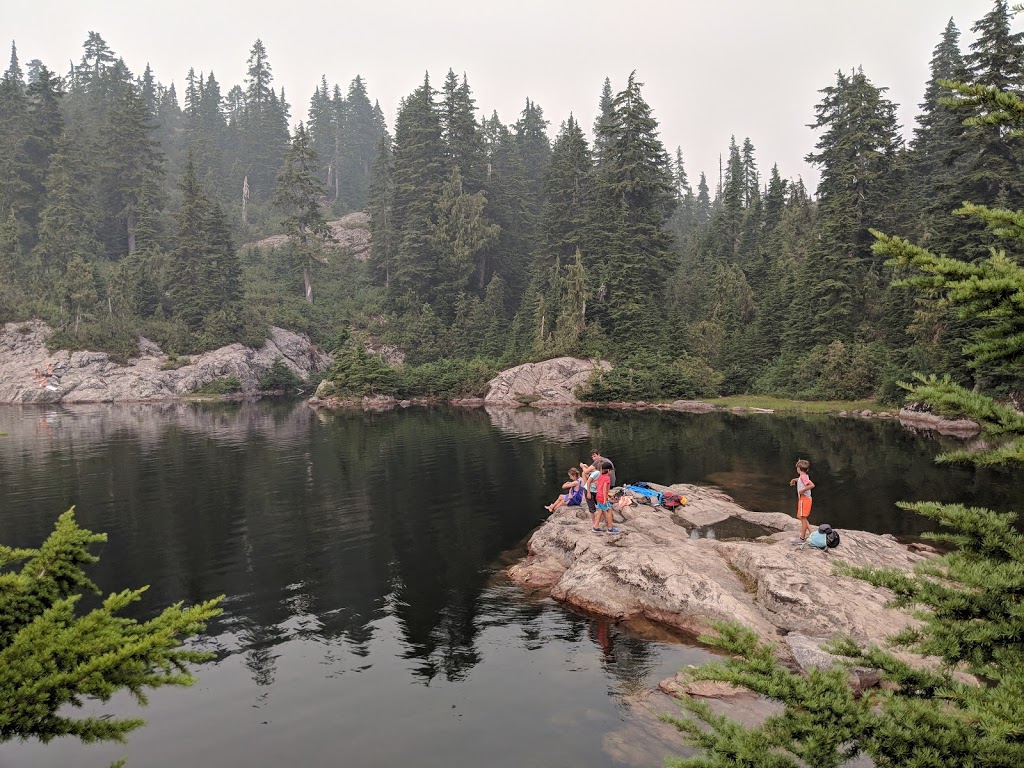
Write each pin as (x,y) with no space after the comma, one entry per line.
(799,406)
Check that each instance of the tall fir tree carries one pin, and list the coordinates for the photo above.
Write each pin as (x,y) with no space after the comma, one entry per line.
(381,208)
(856,152)
(298,195)
(132,171)
(464,148)
(419,172)
(566,218)
(636,187)
(263,128)
(359,135)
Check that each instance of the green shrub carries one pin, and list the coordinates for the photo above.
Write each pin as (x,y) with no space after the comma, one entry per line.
(226,385)
(356,373)
(279,377)
(447,378)
(173,362)
(117,339)
(652,378)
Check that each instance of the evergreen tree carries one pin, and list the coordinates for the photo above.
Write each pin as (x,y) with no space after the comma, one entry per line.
(856,152)
(571,324)
(132,170)
(418,173)
(939,130)
(187,263)
(568,194)
(147,87)
(602,121)
(322,128)
(68,222)
(263,127)
(702,214)
(531,131)
(987,174)
(635,184)
(507,203)
(53,658)
(15,169)
(204,271)
(684,219)
(359,137)
(459,234)
(381,206)
(460,132)
(298,196)
(751,178)
(77,288)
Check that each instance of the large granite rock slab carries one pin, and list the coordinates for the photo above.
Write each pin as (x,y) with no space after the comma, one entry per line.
(655,570)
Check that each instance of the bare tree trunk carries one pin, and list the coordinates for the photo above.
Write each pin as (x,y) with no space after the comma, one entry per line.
(483,272)
(308,279)
(131,232)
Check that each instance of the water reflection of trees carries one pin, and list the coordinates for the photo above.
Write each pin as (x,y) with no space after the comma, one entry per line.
(325,526)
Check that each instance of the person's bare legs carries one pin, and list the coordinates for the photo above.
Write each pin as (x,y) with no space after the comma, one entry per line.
(559,502)
(609,522)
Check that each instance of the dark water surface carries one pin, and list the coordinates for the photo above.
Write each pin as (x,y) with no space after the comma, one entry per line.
(366,619)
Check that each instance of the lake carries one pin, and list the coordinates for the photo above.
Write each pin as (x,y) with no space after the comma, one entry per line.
(367,621)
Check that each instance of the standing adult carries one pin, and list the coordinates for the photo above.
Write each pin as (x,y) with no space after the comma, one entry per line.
(596,460)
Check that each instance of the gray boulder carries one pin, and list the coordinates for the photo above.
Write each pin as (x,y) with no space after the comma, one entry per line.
(550,382)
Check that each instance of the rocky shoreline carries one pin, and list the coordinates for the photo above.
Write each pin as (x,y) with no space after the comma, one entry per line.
(92,377)
(712,560)
(152,376)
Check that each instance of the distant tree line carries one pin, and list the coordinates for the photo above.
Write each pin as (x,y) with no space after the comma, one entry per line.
(122,212)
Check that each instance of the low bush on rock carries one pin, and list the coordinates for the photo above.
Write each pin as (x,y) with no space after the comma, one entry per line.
(279,377)
(652,378)
(227,385)
(357,373)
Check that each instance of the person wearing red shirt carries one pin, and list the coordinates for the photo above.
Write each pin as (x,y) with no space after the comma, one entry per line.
(604,505)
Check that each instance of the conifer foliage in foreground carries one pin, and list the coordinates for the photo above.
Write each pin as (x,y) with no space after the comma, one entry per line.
(969,601)
(53,657)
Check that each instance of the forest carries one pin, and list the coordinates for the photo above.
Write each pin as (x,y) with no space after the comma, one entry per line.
(126,208)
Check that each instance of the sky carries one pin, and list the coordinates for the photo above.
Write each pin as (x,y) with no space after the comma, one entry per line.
(711,68)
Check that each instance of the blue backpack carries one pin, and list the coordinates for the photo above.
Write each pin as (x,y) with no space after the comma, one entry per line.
(826,537)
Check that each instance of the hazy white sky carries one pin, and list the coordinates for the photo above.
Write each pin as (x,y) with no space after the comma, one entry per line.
(711,68)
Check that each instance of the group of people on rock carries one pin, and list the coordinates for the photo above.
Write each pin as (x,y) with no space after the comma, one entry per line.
(50,378)
(592,483)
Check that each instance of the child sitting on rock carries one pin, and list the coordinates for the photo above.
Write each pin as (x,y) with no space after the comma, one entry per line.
(574,495)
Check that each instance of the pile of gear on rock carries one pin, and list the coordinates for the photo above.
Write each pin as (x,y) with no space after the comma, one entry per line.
(825,538)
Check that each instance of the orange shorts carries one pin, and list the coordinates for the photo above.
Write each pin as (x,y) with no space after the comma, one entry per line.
(803,506)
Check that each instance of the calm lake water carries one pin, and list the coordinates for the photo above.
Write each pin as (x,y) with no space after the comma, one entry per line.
(366,619)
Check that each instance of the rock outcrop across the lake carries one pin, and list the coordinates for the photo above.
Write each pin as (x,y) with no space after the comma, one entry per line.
(550,382)
(665,567)
(94,377)
(351,233)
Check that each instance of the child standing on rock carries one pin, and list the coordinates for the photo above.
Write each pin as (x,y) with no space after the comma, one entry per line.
(604,504)
(803,484)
